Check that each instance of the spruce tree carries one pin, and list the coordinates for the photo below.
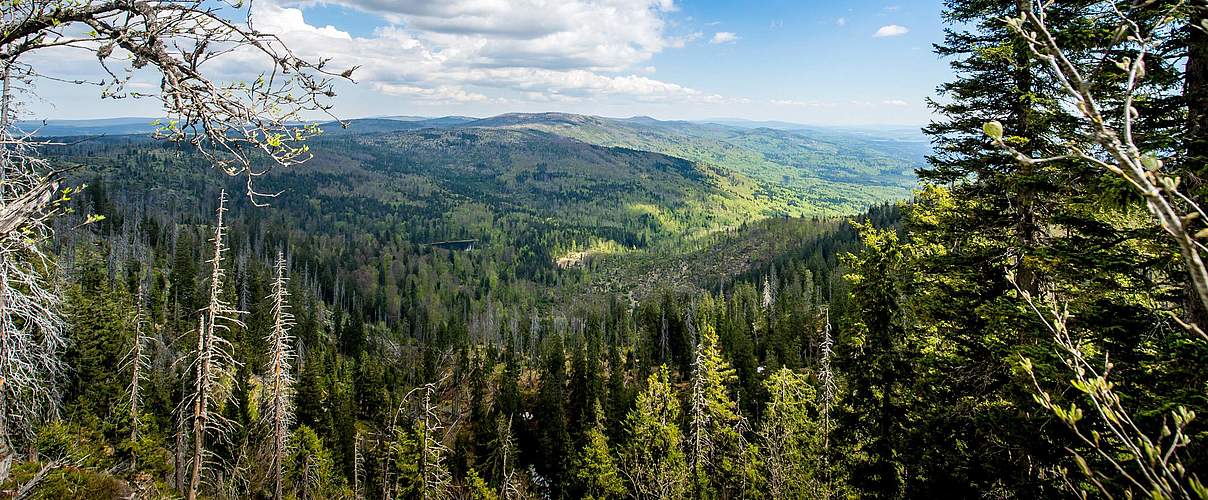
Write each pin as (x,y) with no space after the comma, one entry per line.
(715,446)
(653,459)
(987,228)
(595,468)
(791,438)
(879,368)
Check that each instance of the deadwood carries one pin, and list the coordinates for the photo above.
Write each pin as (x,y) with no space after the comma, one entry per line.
(245,124)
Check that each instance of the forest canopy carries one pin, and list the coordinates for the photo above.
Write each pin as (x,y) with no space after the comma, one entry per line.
(250,302)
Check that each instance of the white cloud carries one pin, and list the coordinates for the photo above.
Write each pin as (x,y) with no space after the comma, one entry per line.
(841,22)
(464,51)
(724,37)
(608,34)
(891,30)
(803,104)
(439,94)
(895,102)
(680,41)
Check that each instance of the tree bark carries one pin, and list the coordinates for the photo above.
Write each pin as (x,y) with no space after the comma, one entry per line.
(1195,93)
(1026,230)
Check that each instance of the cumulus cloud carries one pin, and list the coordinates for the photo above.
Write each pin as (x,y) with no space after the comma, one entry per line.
(723,37)
(453,51)
(438,94)
(602,34)
(891,30)
(841,22)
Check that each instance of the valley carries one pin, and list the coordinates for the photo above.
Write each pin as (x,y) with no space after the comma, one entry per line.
(542,187)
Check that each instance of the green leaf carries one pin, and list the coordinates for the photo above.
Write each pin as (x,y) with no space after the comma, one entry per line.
(1150,162)
(993,128)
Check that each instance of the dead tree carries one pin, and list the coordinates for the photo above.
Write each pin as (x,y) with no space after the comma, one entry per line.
(233,124)
(826,379)
(435,474)
(31,329)
(280,414)
(138,361)
(213,363)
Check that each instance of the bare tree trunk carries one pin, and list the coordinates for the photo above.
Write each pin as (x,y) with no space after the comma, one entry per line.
(179,454)
(5,103)
(1195,92)
(357,467)
(280,412)
(1026,230)
(200,410)
(213,361)
(6,452)
(699,419)
(136,360)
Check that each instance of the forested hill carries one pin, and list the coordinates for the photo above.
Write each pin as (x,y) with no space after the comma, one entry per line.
(584,228)
(797,171)
(545,190)
(558,306)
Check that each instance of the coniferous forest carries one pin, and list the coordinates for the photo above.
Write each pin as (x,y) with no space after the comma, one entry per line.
(236,304)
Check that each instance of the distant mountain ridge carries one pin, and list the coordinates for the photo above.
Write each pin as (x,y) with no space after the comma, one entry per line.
(143,125)
(762,171)
(794,171)
(99,126)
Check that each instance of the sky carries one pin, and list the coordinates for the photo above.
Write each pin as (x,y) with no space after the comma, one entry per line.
(836,62)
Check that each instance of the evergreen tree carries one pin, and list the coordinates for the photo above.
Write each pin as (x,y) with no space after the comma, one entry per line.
(595,469)
(98,320)
(715,446)
(878,368)
(987,228)
(554,439)
(311,471)
(653,459)
(791,438)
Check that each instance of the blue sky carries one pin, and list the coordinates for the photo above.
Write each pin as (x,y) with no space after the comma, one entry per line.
(819,62)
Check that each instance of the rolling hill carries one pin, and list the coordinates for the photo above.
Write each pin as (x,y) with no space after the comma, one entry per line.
(554,187)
